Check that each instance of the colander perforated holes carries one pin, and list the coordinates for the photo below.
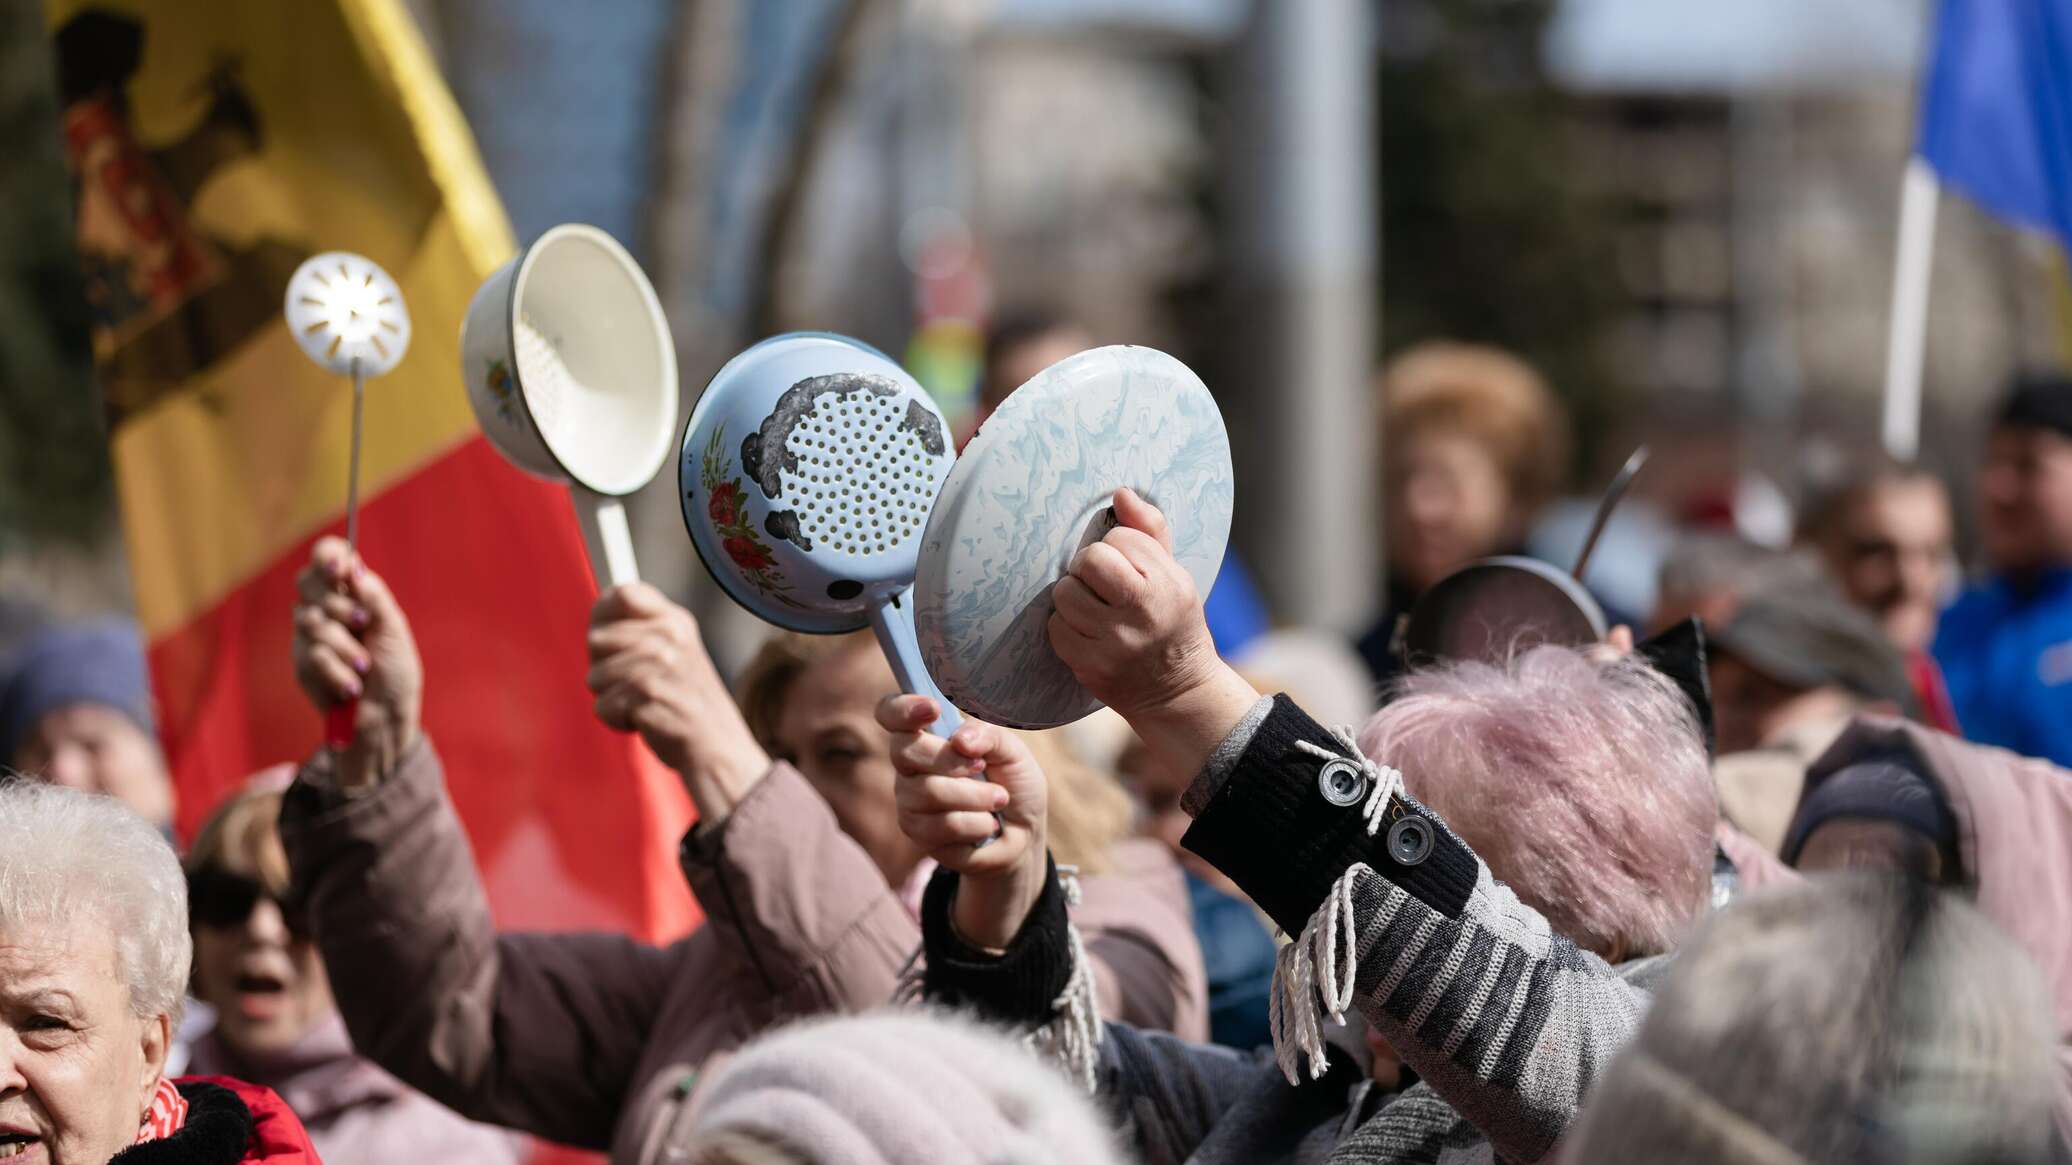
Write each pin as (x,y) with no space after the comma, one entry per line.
(861,477)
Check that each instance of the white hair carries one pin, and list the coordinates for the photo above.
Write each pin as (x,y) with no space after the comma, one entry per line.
(71,859)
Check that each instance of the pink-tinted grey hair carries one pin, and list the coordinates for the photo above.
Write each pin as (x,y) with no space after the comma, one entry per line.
(1583,786)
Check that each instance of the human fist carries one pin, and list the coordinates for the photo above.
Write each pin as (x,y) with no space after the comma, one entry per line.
(352,641)
(650,674)
(948,792)
(1127,620)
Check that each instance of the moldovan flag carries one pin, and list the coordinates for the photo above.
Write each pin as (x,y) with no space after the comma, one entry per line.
(214,145)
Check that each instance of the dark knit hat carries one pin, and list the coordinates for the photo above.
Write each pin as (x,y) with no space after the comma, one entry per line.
(1883,790)
(2037,400)
(100,662)
(1810,637)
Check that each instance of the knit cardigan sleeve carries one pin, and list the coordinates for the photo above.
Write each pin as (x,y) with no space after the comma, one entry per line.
(1507,1021)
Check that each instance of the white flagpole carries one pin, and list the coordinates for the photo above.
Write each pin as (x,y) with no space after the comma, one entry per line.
(1907,342)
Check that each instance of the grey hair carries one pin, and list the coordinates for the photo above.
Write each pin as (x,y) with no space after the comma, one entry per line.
(1855,1017)
(70,859)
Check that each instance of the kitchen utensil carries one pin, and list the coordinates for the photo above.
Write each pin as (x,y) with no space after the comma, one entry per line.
(1032,487)
(807,470)
(571,372)
(348,315)
(1493,608)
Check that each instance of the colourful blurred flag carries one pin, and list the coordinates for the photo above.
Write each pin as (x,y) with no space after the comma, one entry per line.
(1996,112)
(215,144)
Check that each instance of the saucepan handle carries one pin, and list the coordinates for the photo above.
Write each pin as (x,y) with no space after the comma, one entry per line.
(607,537)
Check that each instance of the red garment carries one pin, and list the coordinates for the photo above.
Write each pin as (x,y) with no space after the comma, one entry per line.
(277,1136)
(1936,710)
(167,1113)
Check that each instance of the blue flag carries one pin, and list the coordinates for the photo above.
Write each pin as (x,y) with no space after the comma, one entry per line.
(1996,114)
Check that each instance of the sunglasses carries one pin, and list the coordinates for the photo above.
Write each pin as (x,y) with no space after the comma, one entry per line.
(219,898)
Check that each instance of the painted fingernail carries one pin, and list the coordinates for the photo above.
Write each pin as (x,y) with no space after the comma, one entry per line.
(353,690)
(360,616)
(362,665)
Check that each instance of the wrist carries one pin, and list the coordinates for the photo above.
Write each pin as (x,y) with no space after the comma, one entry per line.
(374,754)
(1183,729)
(719,779)
(990,911)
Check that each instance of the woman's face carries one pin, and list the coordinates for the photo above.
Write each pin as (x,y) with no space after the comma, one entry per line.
(266,982)
(77,1068)
(828,730)
(1448,506)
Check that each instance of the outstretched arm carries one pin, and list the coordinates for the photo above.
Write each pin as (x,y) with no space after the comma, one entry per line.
(1508,1021)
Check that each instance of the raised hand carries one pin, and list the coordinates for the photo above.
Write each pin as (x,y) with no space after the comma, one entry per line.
(948,812)
(1129,624)
(352,641)
(650,674)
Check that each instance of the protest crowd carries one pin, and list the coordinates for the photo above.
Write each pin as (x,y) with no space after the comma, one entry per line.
(1775,871)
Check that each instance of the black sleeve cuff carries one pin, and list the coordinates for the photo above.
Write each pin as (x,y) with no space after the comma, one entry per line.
(1271,829)
(1017,987)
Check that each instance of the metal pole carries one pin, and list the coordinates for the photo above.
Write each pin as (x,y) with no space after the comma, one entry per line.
(1302,159)
(1907,343)
(352,472)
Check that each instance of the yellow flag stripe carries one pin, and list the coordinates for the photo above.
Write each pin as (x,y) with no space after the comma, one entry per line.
(360,147)
(389,41)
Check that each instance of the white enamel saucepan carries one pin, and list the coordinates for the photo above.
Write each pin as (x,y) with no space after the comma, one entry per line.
(569,365)
(807,471)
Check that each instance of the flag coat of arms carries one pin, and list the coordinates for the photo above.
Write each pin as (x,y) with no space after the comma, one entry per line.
(214,145)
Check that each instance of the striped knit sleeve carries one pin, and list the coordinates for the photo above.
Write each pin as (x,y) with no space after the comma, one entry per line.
(1509,1022)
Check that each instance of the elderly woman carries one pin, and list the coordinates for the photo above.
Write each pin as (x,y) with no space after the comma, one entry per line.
(256,965)
(1585,781)
(93,964)
(591,1040)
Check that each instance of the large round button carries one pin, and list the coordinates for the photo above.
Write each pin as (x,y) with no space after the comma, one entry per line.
(1410,840)
(1342,782)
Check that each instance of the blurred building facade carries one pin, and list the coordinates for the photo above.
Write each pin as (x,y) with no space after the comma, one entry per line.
(1700,246)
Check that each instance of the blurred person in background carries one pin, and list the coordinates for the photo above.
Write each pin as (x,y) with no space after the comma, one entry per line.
(595,1040)
(2005,646)
(75,710)
(811,701)
(1024,342)
(257,967)
(1885,532)
(1789,670)
(1708,573)
(1852,1019)
(94,960)
(1981,821)
(1474,444)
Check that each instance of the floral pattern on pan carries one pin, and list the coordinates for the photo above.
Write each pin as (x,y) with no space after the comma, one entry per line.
(725,505)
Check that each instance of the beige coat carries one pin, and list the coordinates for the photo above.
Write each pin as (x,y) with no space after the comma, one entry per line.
(595,1039)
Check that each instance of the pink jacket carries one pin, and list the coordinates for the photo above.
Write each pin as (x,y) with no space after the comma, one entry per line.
(595,1040)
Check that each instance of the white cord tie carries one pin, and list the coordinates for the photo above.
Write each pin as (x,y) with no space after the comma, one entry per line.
(1073,1035)
(1313,975)
(1383,782)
